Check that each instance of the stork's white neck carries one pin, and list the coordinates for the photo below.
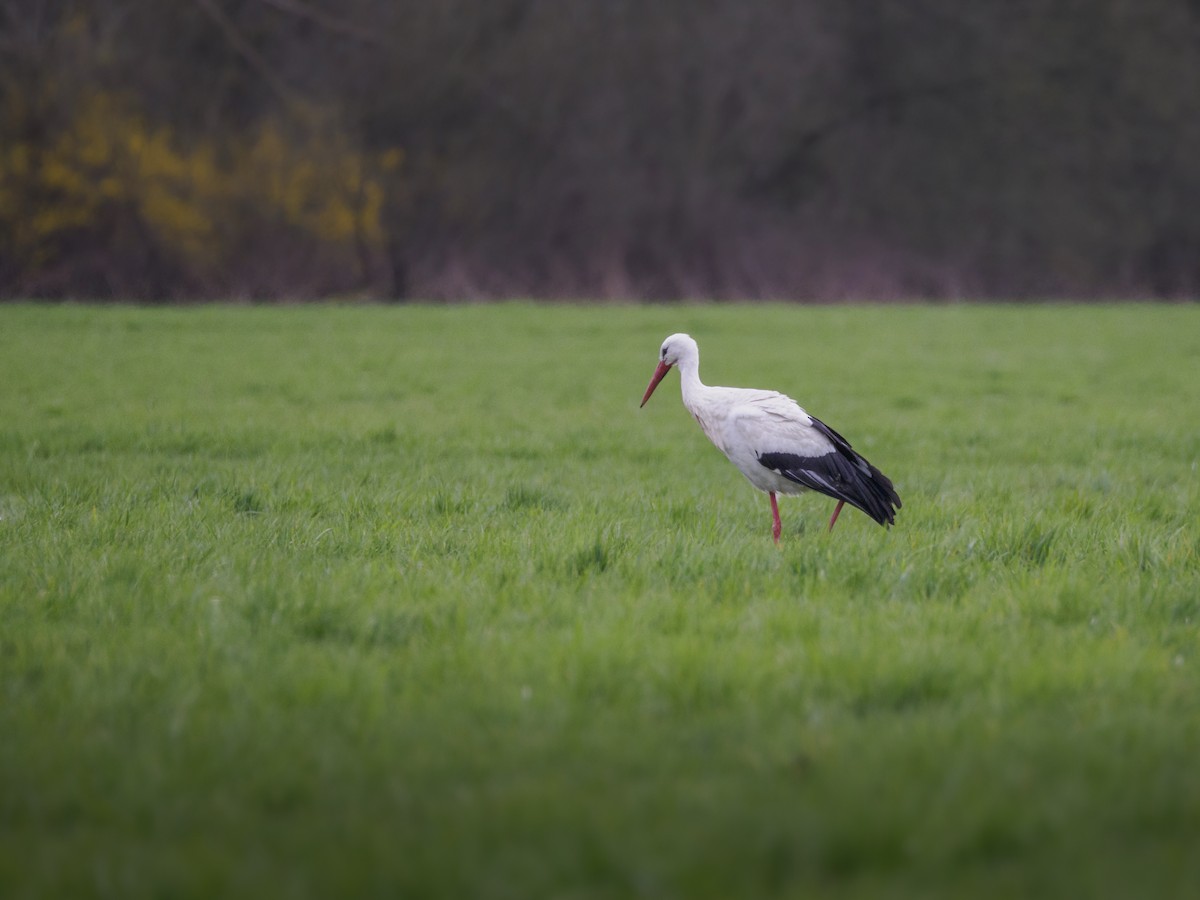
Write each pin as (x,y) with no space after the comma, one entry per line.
(689,380)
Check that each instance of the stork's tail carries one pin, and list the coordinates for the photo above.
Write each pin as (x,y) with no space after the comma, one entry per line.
(843,474)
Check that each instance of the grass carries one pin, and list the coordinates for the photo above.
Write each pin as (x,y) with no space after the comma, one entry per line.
(320,602)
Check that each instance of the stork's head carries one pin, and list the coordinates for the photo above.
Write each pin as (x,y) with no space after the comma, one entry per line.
(675,349)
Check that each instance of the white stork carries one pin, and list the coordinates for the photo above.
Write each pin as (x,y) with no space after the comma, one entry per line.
(775,443)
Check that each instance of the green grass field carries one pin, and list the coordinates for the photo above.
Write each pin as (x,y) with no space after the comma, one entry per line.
(416,602)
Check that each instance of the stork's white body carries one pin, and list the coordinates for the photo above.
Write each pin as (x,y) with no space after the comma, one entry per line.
(747,424)
(778,446)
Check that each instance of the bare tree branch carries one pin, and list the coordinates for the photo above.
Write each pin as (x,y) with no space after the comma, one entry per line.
(253,58)
(326,21)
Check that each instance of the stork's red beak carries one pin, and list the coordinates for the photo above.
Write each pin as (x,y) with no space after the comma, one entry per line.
(662,370)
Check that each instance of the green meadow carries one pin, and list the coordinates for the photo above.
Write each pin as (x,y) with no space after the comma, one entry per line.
(415,602)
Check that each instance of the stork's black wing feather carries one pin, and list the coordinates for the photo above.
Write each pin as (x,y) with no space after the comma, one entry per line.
(842,473)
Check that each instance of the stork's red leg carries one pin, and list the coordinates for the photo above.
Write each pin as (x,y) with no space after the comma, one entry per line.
(776,525)
(832,521)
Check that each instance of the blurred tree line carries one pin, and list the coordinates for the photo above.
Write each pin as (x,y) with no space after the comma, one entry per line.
(599,148)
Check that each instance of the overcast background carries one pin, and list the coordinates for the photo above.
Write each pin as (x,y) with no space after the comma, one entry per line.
(445,149)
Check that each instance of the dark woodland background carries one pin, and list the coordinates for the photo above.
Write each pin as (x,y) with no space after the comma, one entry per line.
(166,150)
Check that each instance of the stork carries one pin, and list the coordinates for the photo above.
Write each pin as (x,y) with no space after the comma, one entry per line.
(779,447)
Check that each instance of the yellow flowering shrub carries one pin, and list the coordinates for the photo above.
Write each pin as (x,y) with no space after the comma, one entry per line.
(109,174)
